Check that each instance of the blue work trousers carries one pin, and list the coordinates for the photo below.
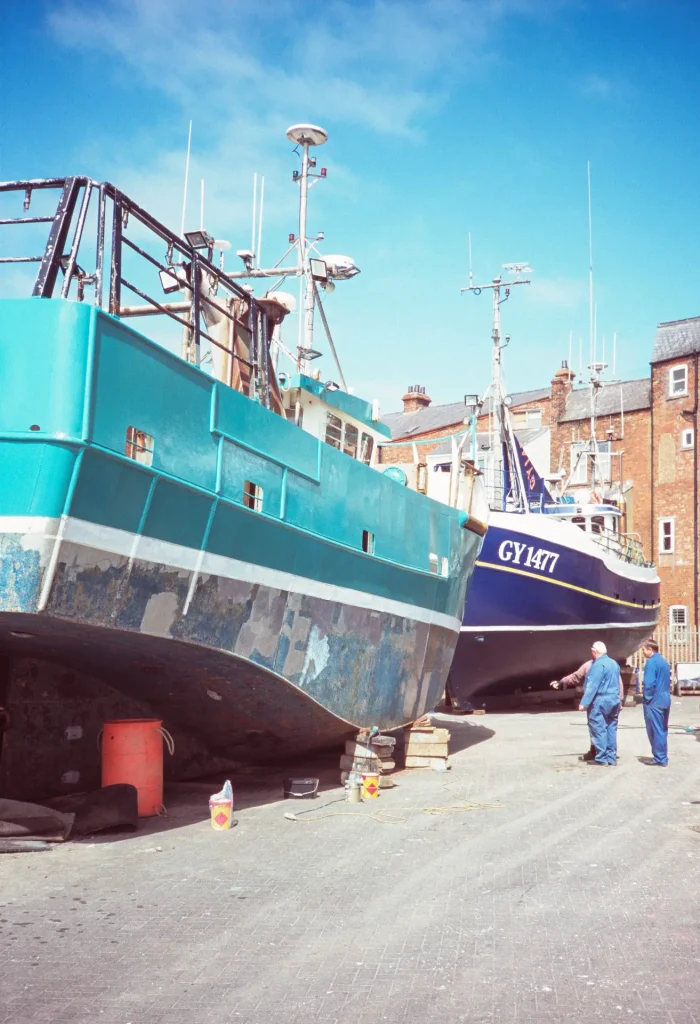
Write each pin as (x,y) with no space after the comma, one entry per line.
(602,723)
(656,721)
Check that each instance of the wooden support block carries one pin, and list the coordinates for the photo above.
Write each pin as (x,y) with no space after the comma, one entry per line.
(426,762)
(479,711)
(436,736)
(427,750)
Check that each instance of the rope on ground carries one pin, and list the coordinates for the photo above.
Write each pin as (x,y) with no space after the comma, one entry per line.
(393,817)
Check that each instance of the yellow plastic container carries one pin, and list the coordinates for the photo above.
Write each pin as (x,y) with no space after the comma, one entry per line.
(370,785)
(221,812)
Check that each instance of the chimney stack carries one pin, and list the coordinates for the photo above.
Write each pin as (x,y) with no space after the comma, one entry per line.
(562,384)
(415,398)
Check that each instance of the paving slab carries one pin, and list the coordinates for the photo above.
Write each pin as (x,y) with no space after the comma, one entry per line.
(519,887)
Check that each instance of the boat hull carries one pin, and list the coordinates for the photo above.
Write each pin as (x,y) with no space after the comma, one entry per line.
(256,665)
(529,620)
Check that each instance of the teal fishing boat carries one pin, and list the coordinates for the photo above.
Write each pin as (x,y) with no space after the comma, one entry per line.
(201,530)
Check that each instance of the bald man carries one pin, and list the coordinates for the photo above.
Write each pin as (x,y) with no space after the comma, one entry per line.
(601,701)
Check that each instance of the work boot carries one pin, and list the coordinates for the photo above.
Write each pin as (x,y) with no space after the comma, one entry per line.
(589,755)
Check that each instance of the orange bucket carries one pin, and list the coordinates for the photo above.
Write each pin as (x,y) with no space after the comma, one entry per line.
(132,752)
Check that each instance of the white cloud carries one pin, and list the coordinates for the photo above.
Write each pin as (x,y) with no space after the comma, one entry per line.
(560,292)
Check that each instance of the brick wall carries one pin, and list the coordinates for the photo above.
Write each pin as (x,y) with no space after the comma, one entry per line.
(630,461)
(404,453)
(482,423)
(675,485)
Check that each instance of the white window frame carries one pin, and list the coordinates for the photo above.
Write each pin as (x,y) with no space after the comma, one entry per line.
(579,473)
(526,418)
(687,439)
(603,469)
(678,623)
(670,550)
(672,391)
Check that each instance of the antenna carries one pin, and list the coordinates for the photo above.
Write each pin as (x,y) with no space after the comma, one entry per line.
(260,218)
(187,175)
(580,359)
(571,342)
(471,276)
(255,203)
(614,355)
(590,269)
(595,332)
(201,206)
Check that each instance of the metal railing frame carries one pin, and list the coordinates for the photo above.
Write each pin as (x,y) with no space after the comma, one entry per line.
(61,255)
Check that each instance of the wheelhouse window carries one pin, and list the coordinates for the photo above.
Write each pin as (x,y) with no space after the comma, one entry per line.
(139,446)
(687,439)
(366,448)
(252,496)
(350,440)
(678,381)
(579,463)
(667,536)
(597,524)
(678,623)
(579,521)
(334,431)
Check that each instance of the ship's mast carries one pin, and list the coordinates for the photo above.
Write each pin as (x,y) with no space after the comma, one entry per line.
(498,404)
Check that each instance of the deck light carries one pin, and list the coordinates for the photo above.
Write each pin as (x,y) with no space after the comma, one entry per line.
(473,403)
(174,278)
(331,385)
(199,239)
(319,270)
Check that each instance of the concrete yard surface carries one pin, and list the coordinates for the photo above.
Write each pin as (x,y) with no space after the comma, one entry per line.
(520,886)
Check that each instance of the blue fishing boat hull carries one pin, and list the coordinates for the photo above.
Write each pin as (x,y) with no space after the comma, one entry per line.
(267,631)
(542,592)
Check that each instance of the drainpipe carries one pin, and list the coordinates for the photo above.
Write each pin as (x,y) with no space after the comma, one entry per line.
(652,481)
(695,495)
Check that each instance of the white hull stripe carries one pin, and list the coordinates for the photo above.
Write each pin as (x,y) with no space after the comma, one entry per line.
(557,629)
(129,545)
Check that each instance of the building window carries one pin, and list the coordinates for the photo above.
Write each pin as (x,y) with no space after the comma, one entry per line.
(678,623)
(687,439)
(334,431)
(678,381)
(579,463)
(526,418)
(252,496)
(139,446)
(367,446)
(603,469)
(667,536)
(368,542)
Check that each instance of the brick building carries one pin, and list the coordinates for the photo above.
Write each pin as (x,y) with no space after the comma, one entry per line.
(427,425)
(623,432)
(674,462)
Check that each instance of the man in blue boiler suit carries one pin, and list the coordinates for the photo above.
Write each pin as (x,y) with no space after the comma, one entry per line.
(601,699)
(657,702)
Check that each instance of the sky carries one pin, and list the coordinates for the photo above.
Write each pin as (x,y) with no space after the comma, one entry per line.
(445,118)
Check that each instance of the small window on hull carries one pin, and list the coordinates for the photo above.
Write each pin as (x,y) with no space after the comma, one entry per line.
(433,561)
(252,496)
(139,446)
(368,542)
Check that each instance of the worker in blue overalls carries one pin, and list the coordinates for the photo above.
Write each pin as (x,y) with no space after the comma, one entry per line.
(601,699)
(657,702)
